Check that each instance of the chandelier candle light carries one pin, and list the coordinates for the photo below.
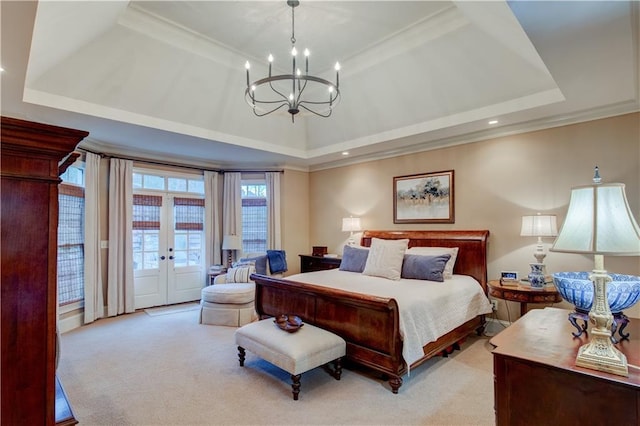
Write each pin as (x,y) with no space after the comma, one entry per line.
(264,101)
(599,222)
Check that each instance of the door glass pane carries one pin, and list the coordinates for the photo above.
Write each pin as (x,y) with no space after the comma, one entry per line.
(151,242)
(181,241)
(180,259)
(145,249)
(195,247)
(150,260)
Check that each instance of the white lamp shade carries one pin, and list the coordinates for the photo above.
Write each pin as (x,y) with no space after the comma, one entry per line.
(599,221)
(350,224)
(231,242)
(540,225)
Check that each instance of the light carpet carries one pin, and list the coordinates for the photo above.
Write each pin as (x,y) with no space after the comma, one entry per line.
(169,370)
(172,309)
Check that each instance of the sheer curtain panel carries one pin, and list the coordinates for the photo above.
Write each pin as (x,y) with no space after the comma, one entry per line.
(93,294)
(120,291)
(232,205)
(274,238)
(212,219)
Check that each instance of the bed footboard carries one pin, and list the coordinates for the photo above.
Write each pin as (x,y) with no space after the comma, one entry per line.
(369,324)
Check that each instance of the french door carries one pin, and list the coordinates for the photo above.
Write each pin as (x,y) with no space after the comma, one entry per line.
(168,248)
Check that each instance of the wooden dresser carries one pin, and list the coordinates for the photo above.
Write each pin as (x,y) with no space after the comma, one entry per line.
(309,263)
(537,382)
(33,156)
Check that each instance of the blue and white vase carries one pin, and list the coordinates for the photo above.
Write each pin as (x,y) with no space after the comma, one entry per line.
(536,276)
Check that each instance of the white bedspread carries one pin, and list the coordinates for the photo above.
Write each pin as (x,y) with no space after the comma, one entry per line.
(428,309)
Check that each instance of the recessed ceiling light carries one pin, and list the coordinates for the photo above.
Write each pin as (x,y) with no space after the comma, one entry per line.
(345,153)
(493,122)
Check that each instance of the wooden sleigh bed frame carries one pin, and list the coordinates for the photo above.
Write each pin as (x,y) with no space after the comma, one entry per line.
(370,324)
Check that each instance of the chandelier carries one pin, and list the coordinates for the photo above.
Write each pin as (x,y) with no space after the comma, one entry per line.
(267,95)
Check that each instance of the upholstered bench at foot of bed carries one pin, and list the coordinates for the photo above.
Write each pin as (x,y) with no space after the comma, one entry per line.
(296,353)
(228,304)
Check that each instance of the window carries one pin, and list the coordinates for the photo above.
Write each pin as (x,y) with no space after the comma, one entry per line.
(146,231)
(148,180)
(188,227)
(71,237)
(254,216)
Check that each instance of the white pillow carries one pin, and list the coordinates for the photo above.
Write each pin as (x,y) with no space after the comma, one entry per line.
(437,251)
(240,274)
(385,258)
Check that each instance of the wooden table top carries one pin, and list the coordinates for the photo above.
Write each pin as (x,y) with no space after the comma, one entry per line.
(544,336)
(548,290)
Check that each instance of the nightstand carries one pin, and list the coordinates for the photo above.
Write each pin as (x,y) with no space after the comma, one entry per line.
(309,263)
(524,294)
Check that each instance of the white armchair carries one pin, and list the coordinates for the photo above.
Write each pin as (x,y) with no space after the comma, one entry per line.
(231,303)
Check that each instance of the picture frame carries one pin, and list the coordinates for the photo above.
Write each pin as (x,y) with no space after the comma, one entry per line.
(509,275)
(424,198)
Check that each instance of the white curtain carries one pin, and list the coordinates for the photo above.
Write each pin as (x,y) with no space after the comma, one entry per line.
(232,205)
(93,294)
(274,239)
(212,219)
(120,291)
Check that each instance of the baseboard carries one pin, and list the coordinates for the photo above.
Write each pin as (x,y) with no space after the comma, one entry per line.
(499,322)
(71,322)
(495,326)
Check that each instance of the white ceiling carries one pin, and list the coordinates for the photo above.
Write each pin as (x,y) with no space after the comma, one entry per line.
(166,79)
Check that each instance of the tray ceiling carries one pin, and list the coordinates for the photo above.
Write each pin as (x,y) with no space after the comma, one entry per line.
(166,78)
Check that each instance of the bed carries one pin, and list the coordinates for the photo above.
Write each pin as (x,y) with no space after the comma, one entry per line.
(370,323)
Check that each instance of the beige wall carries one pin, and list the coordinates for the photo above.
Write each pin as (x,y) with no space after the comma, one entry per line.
(496,182)
(295,217)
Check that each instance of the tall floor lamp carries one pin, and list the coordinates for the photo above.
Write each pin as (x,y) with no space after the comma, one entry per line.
(599,222)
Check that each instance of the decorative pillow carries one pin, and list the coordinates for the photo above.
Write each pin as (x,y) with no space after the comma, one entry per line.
(354,258)
(260,263)
(437,251)
(240,274)
(385,258)
(424,267)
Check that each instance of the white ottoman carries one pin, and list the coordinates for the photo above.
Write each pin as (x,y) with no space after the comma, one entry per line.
(228,304)
(307,348)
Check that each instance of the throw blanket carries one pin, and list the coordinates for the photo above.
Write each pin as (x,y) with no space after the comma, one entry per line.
(277,261)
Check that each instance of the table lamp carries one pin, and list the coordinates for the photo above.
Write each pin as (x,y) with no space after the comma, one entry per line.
(539,226)
(351,224)
(231,243)
(599,222)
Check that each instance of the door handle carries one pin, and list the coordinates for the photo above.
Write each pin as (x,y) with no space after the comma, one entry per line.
(162,258)
(170,257)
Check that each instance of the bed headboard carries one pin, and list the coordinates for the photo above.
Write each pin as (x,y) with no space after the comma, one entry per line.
(472,247)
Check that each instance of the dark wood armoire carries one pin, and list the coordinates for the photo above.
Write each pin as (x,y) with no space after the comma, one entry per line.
(32,157)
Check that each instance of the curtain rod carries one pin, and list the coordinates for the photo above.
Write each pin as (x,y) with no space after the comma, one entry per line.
(159,163)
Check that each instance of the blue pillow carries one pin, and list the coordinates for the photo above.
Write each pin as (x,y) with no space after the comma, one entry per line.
(424,267)
(353,259)
(260,263)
